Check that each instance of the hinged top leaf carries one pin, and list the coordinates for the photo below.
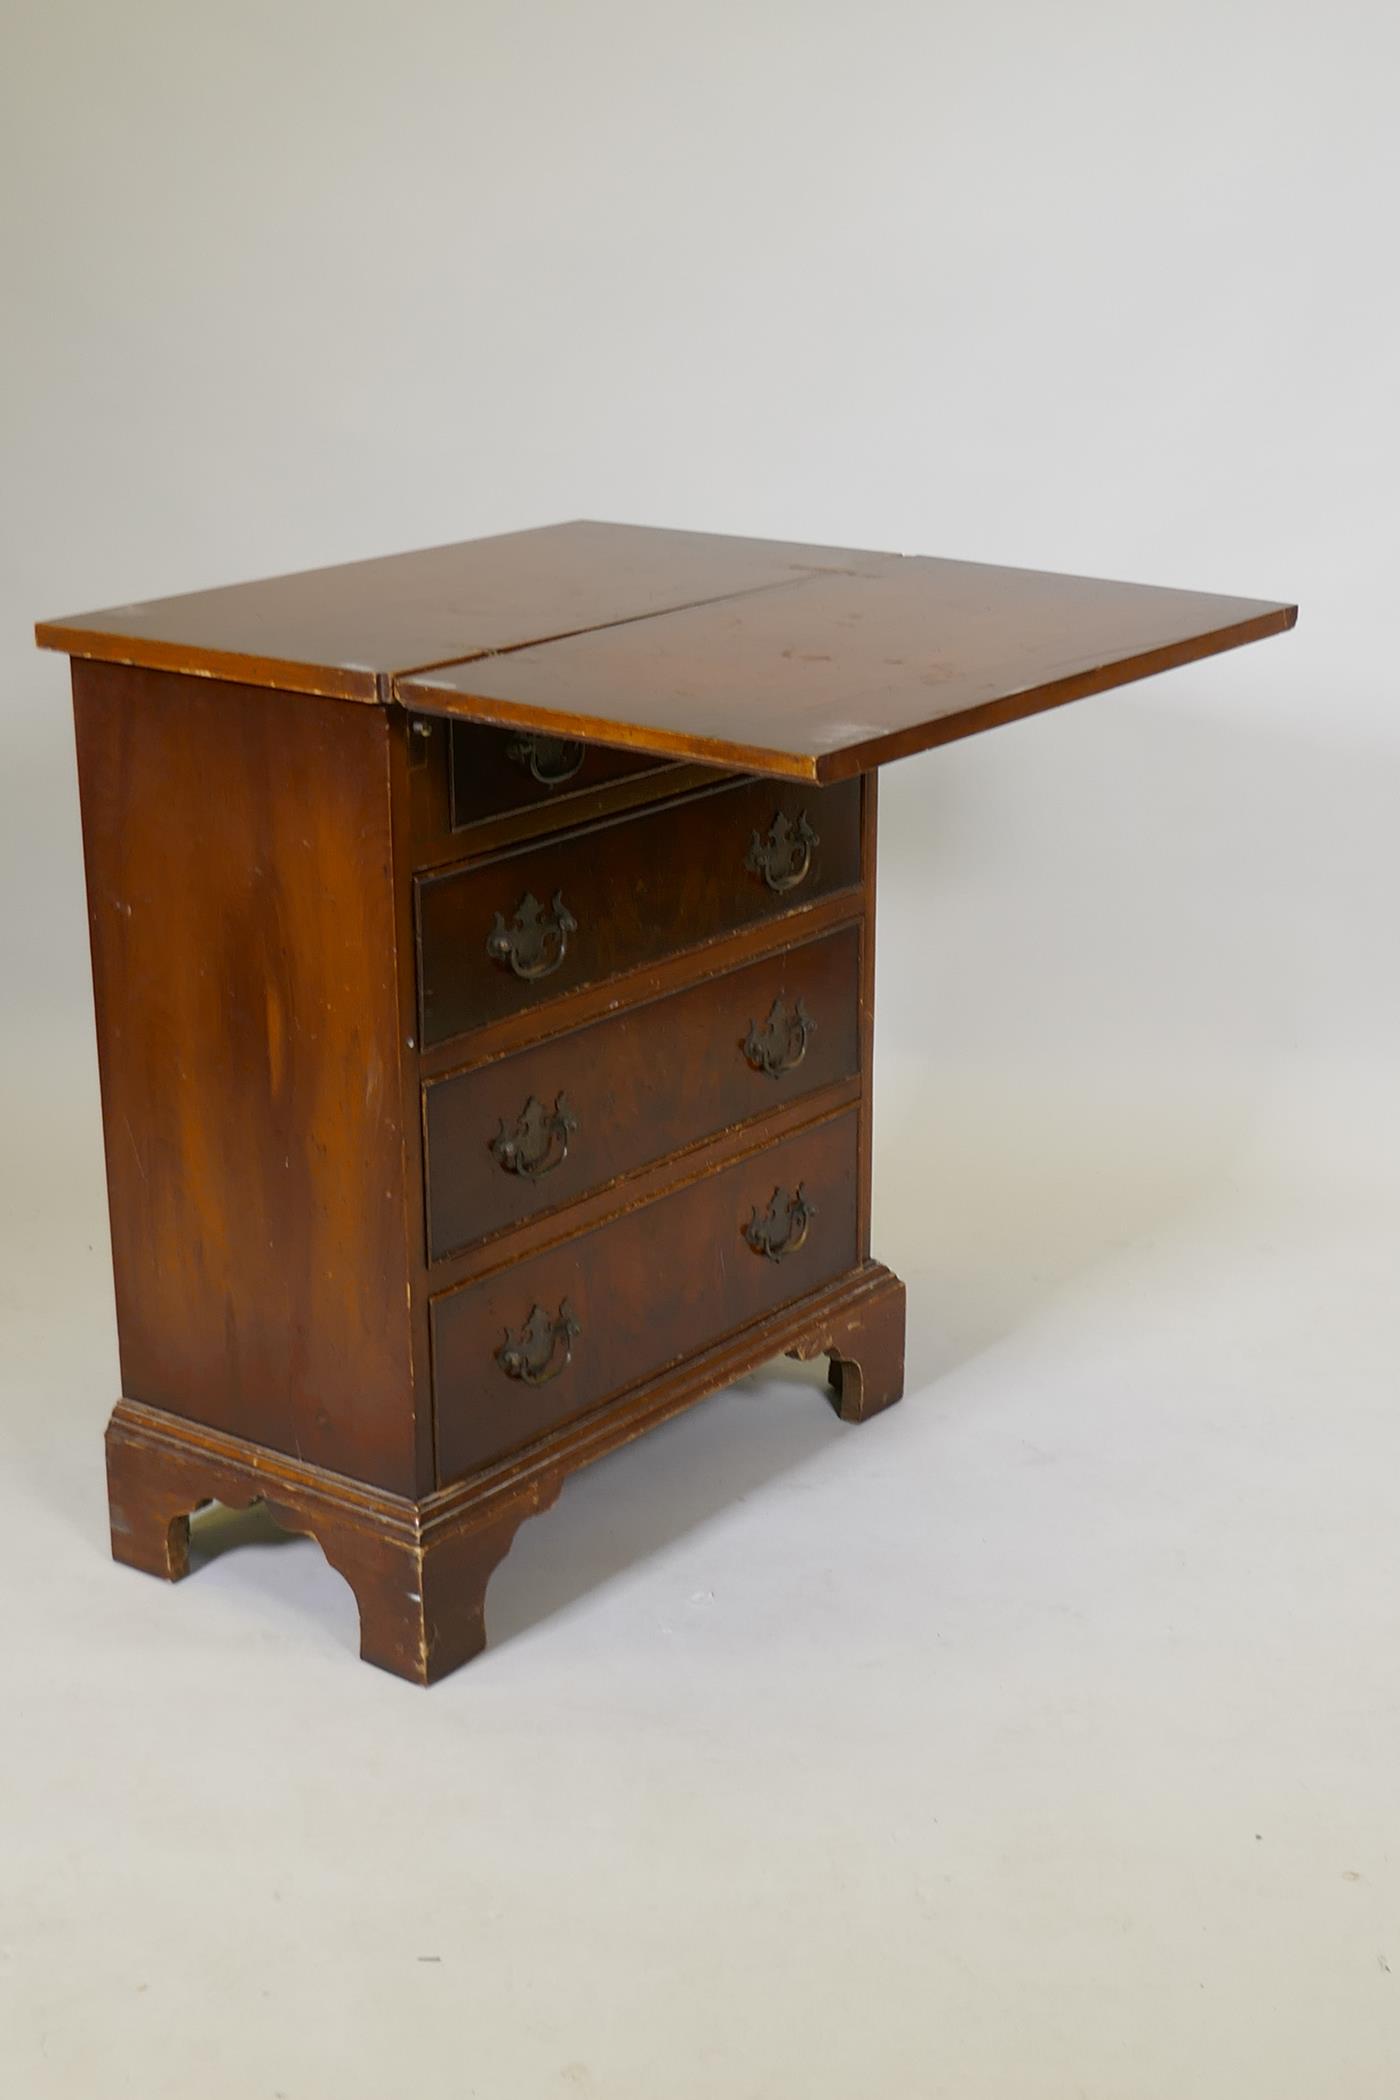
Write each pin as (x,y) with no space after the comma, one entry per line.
(806,662)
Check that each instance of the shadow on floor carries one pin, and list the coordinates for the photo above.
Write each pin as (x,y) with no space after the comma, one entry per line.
(612,1517)
(640,1500)
(216,1530)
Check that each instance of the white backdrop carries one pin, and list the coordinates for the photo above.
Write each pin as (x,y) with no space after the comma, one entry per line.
(1040,1739)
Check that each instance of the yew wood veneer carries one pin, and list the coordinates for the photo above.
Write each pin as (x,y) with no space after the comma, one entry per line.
(483,955)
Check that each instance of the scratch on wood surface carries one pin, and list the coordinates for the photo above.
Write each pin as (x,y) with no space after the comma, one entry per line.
(136,1150)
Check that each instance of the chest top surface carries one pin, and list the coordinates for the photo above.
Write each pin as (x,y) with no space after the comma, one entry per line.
(807,662)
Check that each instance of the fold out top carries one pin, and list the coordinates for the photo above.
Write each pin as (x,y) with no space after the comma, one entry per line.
(835,671)
(806,662)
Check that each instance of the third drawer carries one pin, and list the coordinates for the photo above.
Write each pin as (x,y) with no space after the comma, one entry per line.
(514,1139)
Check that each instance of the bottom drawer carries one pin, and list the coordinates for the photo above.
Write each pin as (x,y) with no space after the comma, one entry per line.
(534,1345)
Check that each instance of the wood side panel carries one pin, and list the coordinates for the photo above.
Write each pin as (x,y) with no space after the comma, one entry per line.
(661,1281)
(240,891)
(402,745)
(870,795)
(634,1088)
(637,889)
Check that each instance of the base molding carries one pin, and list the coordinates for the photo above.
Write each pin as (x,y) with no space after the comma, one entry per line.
(419,1569)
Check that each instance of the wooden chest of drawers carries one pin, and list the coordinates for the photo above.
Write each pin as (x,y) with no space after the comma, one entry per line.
(485,1022)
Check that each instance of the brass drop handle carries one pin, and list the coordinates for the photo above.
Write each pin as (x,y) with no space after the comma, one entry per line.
(784,858)
(549,759)
(781,1044)
(543,1348)
(784,1225)
(539,1141)
(536,941)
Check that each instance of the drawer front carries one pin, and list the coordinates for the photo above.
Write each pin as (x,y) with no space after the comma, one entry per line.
(494,771)
(468,796)
(519,1137)
(547,1339)
(515,932)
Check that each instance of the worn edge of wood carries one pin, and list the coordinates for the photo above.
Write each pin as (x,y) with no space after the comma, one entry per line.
(324,681)
(1040,699)
(717,752)
(825,768)
(535,1473)
(362,682)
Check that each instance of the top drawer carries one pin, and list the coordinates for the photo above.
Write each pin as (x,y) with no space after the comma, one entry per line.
(512,932)
(494,771)
(474,789)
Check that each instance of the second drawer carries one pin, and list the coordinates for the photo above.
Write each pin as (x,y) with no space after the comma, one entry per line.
(517,930)
(514,1139)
